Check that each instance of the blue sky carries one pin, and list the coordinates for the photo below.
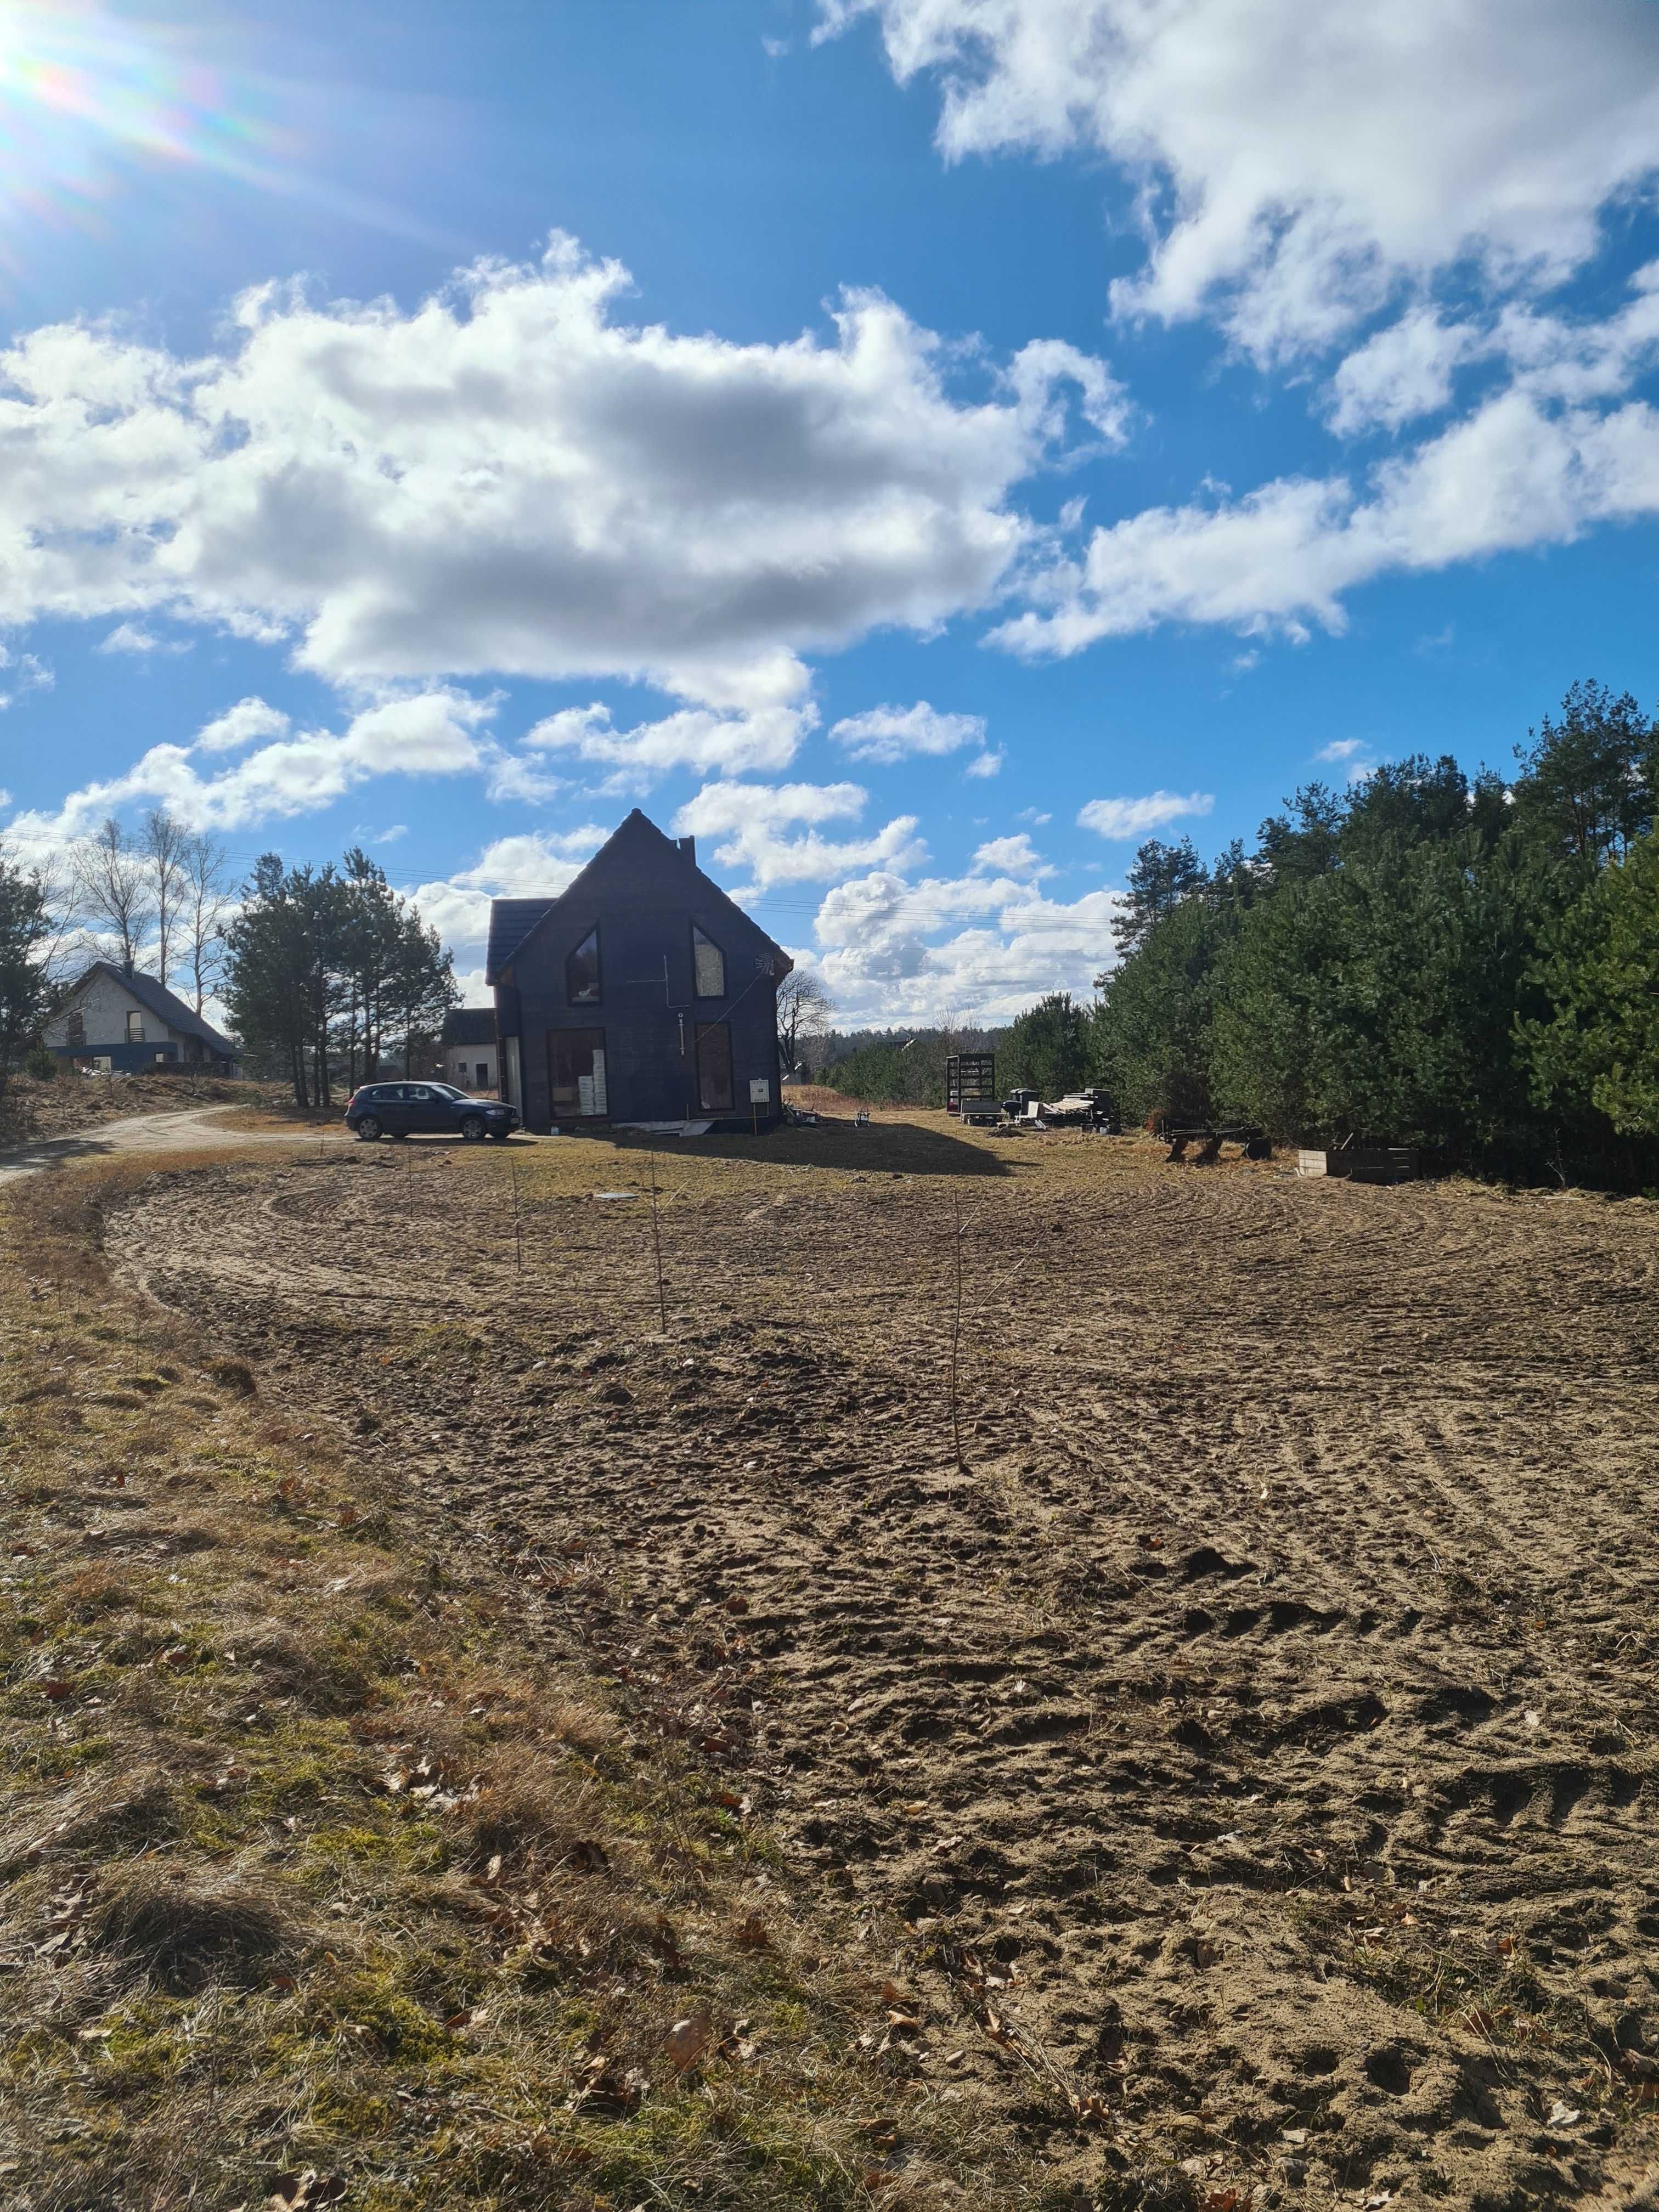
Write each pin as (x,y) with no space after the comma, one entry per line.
(920,445)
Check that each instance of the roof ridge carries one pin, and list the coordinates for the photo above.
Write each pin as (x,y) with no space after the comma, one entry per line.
(496,959)
(151,992)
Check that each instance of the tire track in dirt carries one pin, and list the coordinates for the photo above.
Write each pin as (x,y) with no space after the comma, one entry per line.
(1230,1796)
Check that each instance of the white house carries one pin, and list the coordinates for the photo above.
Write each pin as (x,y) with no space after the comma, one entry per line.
(468,1050)
(120,1021)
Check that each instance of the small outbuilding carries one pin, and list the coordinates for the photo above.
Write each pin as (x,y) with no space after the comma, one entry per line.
(642,996)
(467,1050)
(118,1021)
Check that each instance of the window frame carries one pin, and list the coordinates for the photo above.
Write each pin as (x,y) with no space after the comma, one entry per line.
(699,1031)
(709,998)
(566,1039)
(596,998)
(136,1034)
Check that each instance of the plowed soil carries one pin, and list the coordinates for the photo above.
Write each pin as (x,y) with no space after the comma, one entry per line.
(1256,1722)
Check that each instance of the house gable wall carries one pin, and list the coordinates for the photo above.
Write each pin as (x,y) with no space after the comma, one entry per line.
(463,1061)
(644,894)
(103,1003)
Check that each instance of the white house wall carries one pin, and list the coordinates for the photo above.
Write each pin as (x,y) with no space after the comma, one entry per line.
(103,1007)
(463,1061)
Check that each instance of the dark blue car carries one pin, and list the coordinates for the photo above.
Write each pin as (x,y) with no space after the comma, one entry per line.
(427,1109)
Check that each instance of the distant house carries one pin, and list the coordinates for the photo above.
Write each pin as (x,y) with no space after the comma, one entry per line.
(467,1050)
(641,996)
(120,1022)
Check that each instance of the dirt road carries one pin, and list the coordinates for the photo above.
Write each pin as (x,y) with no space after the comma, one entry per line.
(1256,1729)
(197,1130)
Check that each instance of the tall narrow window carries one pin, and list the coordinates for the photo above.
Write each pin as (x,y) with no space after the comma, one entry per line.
(581,972)
(134,1029)
(78,1028)
(709,964)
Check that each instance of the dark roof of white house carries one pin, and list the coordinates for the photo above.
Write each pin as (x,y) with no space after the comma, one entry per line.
(166,1005)
(513,920)
(469,1026)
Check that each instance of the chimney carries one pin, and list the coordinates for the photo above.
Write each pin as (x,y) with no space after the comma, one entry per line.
(126,964)
(689,847)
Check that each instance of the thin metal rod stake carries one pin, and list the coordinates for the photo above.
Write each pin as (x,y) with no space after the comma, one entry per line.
(656,1247)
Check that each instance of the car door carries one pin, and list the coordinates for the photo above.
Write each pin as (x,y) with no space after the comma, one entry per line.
(385,1103)
(425,1109)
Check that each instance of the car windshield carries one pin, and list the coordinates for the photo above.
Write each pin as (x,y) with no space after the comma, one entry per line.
(447,1090)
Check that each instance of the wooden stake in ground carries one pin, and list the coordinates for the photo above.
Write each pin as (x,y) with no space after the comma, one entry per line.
(956,1323)
(518,1240)
(656,1247)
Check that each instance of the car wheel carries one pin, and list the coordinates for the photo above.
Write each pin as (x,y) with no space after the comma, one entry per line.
(473,1128)
(368,1130)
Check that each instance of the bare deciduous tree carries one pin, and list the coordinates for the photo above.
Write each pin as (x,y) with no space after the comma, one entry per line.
(205,909)
(804,1011)
(113,888)
(164,845)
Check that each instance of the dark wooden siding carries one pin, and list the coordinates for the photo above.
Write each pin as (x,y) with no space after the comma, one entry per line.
(643,895)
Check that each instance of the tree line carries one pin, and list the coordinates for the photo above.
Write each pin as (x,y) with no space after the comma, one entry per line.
(1044,1049)
(329,972)
(324,973)
(900,1068)
(1470,964)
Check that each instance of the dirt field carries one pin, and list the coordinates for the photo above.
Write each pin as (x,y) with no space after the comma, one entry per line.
(1255,1728)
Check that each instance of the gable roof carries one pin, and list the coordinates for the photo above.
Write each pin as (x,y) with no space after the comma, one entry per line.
(160,1002)
(513,922)
(469,1026)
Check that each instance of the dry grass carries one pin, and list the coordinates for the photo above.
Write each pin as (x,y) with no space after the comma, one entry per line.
(306,1861)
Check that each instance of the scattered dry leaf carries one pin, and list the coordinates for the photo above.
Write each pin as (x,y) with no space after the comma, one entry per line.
(305,2190)
(686,2043)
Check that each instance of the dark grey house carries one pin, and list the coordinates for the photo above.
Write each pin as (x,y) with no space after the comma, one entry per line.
(120,1022)
(641,996)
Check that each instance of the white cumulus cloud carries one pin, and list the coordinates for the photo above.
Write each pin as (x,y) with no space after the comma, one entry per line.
(752,827)
(762,741)
(249,719)
(886,734)
(1133,818)
(1515,474)
(427,733)
(1296,165)
(510,479)
(971,948)
(1014,855)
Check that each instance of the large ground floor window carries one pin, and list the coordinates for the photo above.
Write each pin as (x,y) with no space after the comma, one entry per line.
(575,1074)
(714,1042)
